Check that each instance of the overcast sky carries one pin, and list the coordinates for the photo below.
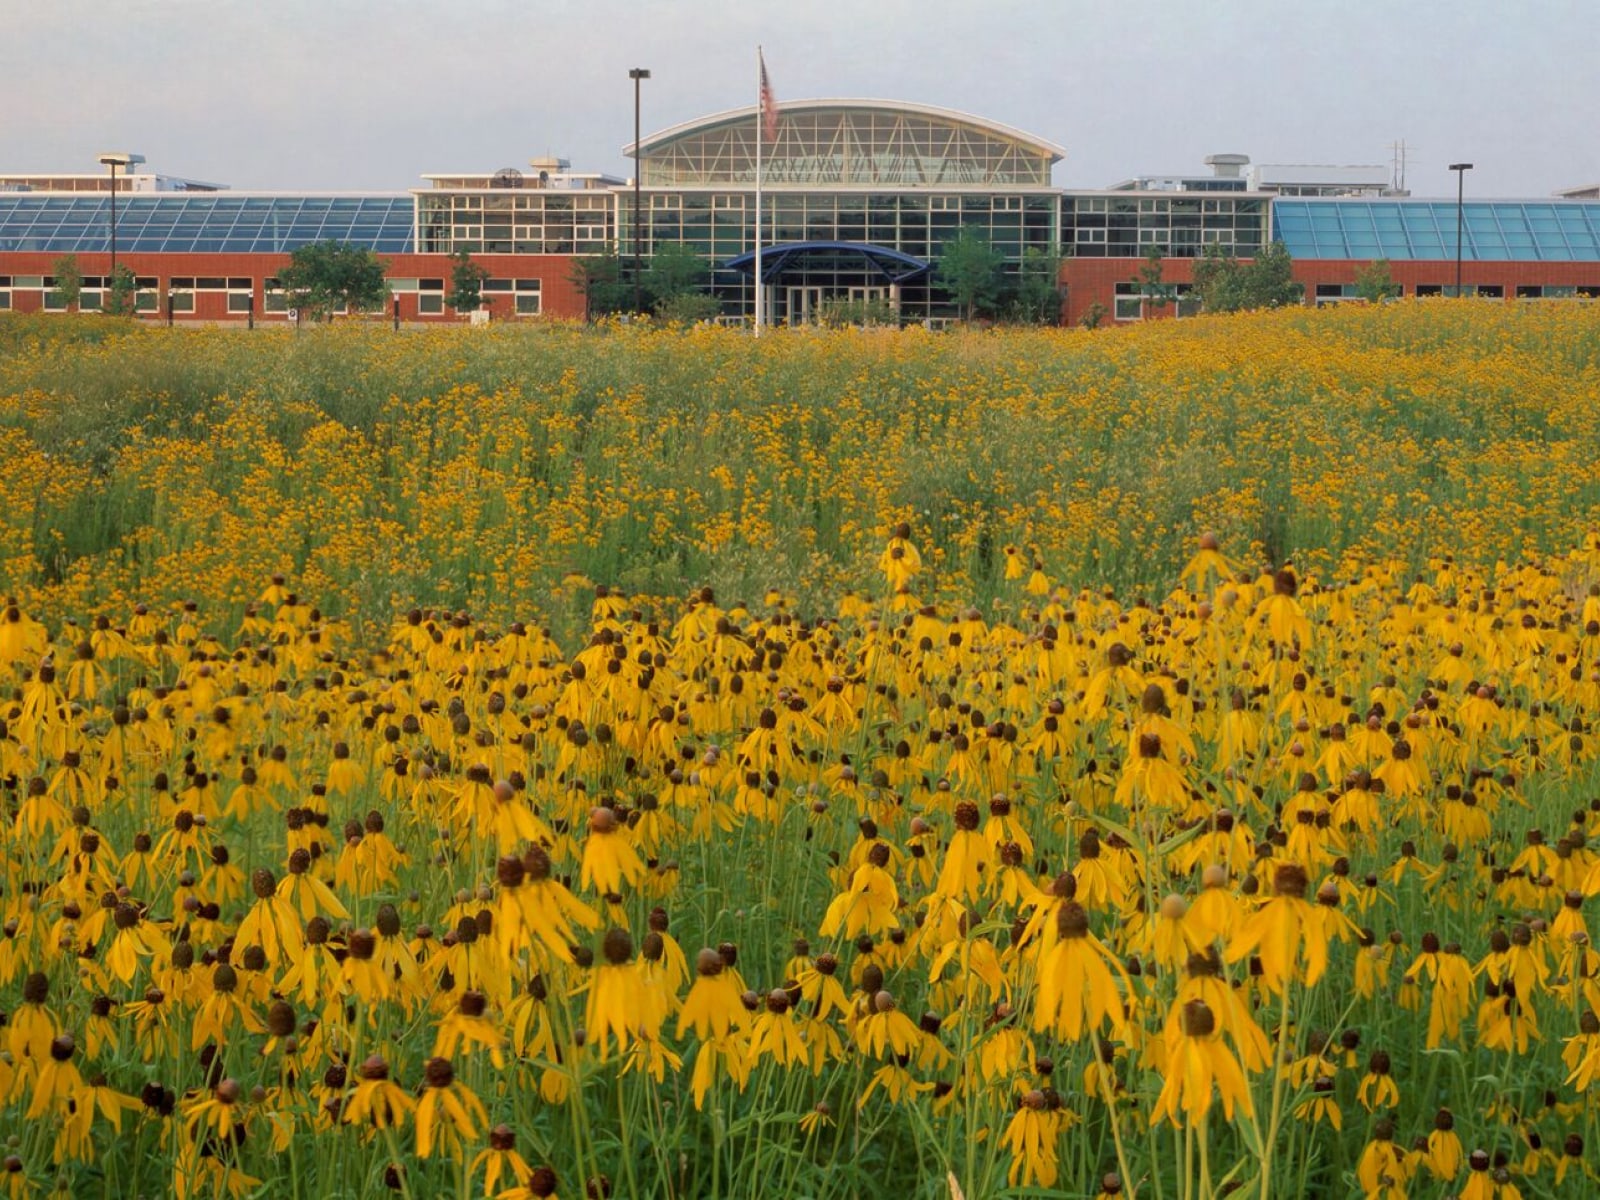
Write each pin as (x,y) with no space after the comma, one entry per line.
(368,95)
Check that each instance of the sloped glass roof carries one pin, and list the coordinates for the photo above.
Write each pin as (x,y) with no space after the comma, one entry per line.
(842,143)
(1492,230)
(201,224)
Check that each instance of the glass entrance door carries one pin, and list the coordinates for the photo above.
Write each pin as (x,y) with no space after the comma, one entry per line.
(804,305)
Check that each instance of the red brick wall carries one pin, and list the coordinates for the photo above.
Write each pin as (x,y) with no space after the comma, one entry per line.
(558,297)
(1091,280)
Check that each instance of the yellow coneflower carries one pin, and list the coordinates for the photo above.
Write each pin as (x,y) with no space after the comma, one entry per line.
(222,1010)
(1078,980)
(1031,1137)
(501,1158)
(609,859)
(714,1006)
(1197,1060)
(1377,1088)
(377,1100)
(1444,1155)
(1283,932)
(447,1110)
(272,922)
(1383,1170)
(869,903)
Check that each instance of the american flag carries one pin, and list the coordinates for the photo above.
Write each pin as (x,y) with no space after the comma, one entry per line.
(769,104)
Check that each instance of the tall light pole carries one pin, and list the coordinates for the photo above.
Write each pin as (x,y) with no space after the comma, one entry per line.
(637,74)
(115,159)
(1461,170)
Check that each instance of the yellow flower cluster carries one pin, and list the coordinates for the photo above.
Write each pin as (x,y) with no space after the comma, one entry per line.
(482,468)
(1232,864)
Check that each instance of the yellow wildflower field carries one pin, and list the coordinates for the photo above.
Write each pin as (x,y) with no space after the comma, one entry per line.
(630,762)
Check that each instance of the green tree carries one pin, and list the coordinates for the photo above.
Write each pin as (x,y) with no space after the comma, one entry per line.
(688,308)
(466,283)
(972,271)
(598,278)
(1094,316)
(1375,284)
(1270,281)
(68,290)
(675,270)
(122,292)
(1154,291)
(1227,285)
(323,277)
(1038,299)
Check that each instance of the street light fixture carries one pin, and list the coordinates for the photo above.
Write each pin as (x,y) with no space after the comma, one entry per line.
(115,159)
(1461,170)
(637,74)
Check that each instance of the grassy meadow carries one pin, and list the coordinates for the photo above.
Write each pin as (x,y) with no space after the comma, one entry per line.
(1157,762)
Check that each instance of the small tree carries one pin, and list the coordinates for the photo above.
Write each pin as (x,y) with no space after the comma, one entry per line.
(972,271)
(323,277)
(1227,285)
(675,270)
(122,292)
(598,278)
(1375,284)
(466,283)
(1270,281)
(68,290)
(688,308)
(1039,286)
(1154,291)
(1093,316)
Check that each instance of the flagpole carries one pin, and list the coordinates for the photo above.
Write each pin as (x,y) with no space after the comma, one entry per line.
(760,67)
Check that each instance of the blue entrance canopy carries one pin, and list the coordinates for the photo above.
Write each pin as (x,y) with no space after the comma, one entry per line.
(892,265)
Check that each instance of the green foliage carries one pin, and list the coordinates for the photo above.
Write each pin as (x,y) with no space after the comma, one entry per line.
(466,283)
(69,281)
(839,312)
(1227,285)
(675,270)
(122,293)
(1038,290)
(323,277)
(1375,284)
(599,280)
(972,271)
(1094,316)
(688,308)
(1154,291)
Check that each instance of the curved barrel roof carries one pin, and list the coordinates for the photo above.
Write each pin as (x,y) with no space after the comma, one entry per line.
(843,143)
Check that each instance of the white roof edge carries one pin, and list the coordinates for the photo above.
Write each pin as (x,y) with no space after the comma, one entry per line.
(928,110)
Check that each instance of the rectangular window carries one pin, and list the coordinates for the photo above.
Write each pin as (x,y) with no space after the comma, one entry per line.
(527,297)
(1430,289)
(180,300)
(665,203)
(272,298)
(240,302)
(52,298)
(430,303)
(1491,291)
(497,285)
(944,204)
(1128,302)
(5,299)
(401,286)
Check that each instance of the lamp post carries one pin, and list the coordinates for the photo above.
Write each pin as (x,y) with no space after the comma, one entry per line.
(1461,170)
(637,74)
(114,159)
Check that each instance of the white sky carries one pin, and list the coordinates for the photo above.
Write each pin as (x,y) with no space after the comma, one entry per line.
(363,94)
